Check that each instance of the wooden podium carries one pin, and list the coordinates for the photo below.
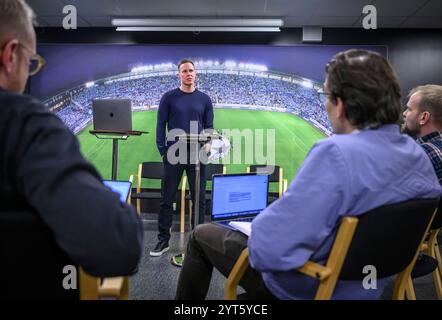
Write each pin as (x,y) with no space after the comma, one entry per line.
(115,136)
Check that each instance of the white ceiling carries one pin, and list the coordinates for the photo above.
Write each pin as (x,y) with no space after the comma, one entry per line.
(295,13)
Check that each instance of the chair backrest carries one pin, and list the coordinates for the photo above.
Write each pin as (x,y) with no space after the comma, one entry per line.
(213,168)
(388,238)
(273,171)
(152,170)
(31,261)
(437,221)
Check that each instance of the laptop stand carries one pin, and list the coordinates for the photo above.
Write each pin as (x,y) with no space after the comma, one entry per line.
(115,136)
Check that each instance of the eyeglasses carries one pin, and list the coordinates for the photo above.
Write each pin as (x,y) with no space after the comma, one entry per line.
(322,96)
(36,61)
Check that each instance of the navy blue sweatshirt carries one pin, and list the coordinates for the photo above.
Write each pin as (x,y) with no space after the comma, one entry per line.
(177,109)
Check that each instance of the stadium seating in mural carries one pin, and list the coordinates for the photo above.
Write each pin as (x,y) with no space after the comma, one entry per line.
(240,88)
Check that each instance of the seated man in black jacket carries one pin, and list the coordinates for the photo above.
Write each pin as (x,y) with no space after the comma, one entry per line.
(41,167)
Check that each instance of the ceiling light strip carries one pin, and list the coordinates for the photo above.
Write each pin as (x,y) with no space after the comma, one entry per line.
(198,29)
(196,22)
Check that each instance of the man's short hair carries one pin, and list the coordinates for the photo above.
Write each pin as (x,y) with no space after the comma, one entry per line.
(185,61)
(430,100)
(368,86)
(16,16)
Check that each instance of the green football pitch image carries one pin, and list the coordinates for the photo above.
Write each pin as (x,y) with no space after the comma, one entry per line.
(293,139)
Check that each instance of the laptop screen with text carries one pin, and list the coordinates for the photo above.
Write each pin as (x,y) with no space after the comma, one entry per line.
(238,195)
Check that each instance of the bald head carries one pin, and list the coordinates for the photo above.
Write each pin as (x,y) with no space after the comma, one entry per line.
(16,21)
(17,44)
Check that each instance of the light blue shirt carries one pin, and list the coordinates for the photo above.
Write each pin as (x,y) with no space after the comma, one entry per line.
(345,175)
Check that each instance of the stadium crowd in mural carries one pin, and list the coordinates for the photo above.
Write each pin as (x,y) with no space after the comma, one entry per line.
(241,88)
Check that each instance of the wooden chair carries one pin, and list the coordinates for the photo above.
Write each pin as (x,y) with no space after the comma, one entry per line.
(388,237)
(211,170)
(93,288)
(276,175)
(32,264)
(147,170)
(154,171)
(429,261)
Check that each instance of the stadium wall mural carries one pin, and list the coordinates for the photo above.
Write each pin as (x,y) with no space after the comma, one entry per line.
(69,65)
(254,89)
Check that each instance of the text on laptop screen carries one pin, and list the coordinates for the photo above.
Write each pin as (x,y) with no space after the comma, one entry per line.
(237,195)
(120,187)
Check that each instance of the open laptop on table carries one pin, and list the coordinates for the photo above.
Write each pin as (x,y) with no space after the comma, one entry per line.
(121,187)
(238,198)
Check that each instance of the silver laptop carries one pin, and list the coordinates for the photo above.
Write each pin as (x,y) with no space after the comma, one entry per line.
(112,114)
(238,197)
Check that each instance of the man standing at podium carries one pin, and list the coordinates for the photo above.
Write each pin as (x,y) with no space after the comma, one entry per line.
(179,109)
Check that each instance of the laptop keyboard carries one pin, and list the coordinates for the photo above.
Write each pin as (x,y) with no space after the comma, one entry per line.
(249,219)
